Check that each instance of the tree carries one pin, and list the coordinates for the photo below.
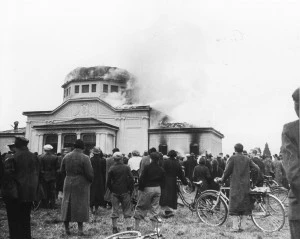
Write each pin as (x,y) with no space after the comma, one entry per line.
(267,150)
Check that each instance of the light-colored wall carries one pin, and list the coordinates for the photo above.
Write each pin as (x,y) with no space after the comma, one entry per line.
(4,141)
(181,142)
(99,89)
(132,133)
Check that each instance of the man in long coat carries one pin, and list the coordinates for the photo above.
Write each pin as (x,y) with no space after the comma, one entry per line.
(291,162)
(98,184)
(24,170)
(238,167)
(168,199)
(79,176)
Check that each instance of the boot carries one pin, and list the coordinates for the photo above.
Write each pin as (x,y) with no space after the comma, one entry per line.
(114,224)
(241,222)
(80,229)
(67,229)
(128,223)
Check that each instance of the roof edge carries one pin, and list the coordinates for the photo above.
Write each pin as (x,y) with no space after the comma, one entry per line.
(138,108)
(188,130)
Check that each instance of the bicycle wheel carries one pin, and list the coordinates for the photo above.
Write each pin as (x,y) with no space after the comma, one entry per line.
(36,205)
(268,213)
(211,209)
(280,192)
(125,235)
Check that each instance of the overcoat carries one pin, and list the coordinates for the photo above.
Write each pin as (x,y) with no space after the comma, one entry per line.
(291,163)
(238,167)
(201,172)
(98,184)
(76,192)
(169,191)
(27,172)
(189,166)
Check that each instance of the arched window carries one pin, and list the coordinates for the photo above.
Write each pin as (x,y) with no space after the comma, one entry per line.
(52,139)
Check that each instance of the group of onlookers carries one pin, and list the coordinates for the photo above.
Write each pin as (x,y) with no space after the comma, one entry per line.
(91,181)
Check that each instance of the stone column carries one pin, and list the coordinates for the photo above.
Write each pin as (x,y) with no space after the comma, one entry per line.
(103,142)
(59,143)
(98,140)
(41,142)
(78,135)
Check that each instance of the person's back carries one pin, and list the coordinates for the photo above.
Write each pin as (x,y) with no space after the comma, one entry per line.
(26,174)
(189,166)
(49,166)
(269,166)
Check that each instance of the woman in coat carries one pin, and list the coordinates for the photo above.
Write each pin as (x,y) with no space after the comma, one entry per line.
(238,167)
(98,184)
(79,176)
(173,170)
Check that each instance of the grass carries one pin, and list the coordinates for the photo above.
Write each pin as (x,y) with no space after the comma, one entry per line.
(46,224)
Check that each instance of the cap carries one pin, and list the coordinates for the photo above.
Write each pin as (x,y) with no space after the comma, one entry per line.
(96,150)
(117,155)
(48,147)
(11,145)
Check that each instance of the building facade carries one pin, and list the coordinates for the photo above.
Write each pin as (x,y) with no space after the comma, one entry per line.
(85,114)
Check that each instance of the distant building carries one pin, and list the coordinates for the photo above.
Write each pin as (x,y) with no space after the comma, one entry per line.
(85,114)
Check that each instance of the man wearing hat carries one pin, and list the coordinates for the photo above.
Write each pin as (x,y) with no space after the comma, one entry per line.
(49,166)
(25,172)
(120,183)
(291,163)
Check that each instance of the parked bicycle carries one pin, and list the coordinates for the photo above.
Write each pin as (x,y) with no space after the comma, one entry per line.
(184,193)
(280,192)
(268,212)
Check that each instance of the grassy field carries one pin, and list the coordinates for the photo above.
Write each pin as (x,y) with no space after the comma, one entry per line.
(46,224)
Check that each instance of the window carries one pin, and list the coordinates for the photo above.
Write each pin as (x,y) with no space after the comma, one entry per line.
(69,91)
(69,140)
(85,88)
(89,141)
(163,148)
(52,139)
(105,88)
(94,87)
(114,88)
(76,88)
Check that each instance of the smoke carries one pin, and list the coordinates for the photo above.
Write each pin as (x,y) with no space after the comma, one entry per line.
(167,61)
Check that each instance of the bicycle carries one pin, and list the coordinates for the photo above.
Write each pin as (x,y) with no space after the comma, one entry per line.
(280,192)
(268,213)
(188,190)
(137,235)
(134,235)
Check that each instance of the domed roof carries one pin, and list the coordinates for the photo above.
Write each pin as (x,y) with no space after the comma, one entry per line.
(98,72)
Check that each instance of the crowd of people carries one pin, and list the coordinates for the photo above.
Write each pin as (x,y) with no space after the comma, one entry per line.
(88,182)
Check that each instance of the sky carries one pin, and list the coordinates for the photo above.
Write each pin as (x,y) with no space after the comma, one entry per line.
(231,65)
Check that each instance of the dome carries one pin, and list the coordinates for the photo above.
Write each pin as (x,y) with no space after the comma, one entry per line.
(98,72)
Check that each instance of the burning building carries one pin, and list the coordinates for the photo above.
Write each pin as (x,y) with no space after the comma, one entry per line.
(99,107)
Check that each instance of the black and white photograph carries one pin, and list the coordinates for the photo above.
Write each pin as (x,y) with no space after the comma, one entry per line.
(149,119)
